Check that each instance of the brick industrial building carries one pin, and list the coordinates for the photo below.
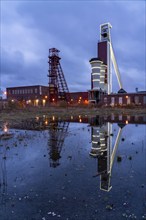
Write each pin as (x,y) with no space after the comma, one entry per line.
(38,95)
(31,95)
(124,99)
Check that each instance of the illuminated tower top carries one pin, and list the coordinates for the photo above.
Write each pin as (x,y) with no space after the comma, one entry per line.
(105,32)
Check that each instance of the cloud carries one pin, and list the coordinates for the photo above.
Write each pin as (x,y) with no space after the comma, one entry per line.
(29,29)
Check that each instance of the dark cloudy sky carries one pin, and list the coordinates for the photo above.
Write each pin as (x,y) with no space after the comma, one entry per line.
(30,28)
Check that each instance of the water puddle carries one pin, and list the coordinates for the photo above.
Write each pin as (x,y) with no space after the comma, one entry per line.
(78,168)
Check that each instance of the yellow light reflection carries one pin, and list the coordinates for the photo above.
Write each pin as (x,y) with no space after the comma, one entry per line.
(5,129)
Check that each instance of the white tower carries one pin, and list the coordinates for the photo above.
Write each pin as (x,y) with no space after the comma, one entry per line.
(106,53)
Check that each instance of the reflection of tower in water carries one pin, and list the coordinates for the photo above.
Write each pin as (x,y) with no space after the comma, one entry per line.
(57,134)
(103,151)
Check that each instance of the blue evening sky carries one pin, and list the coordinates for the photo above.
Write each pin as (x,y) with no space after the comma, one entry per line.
(30,28)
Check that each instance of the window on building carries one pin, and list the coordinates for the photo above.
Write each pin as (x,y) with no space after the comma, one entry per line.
(96,71)
(144,117)
(128,117)
(95,84)
(35,90)
(144,100)
(136,117)
(96,65)
(112,100)
(120,117)
(128,100)
(96,77)
(105,100)
(120,100)
(112,117)
(136,99)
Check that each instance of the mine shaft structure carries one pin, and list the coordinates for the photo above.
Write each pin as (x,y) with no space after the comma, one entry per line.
(58,89)
(101,66)
(109,57)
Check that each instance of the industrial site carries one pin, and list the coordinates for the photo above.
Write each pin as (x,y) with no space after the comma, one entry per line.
(100,93)
(72,110)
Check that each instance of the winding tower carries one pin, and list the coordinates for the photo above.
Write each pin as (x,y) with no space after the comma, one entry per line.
(101,66)
(58,89)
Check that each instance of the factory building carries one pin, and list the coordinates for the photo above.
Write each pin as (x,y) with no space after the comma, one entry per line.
(78,97)
(29,95)
(38,95)
(124,99)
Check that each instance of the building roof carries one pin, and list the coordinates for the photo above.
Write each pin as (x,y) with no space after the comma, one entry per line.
(141,92)
(122,91)
(15,87)
(95,59)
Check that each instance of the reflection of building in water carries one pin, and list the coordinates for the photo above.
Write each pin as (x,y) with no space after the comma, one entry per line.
(102,150)
(57,132)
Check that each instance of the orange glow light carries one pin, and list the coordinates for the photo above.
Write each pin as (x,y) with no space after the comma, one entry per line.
(46,122)
(126,122)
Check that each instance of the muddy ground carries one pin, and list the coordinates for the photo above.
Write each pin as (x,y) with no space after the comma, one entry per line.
(17,115)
